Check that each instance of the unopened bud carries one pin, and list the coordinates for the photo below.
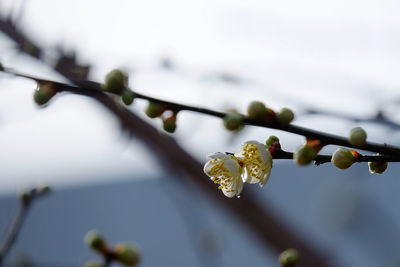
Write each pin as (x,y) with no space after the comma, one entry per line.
(342,158)
(257,110)
(25,197)
(126,254)
(93,264)
(154,110)
(44,190)
(285,116)
(289,258)
(169,124)
(357,137)
(377,167)
(95,241)
(233,121)
(43,93)
(116,81)
(272,140)
(127,96)
(305,155)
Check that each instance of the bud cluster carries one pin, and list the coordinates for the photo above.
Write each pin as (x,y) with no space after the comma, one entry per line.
(259,111)
(125,254)
(116,82)
(168,116)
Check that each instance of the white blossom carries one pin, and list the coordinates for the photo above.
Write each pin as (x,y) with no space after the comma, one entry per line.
(225,171)
(256,161)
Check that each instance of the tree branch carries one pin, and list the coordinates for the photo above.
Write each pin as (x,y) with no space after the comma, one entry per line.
(324,138)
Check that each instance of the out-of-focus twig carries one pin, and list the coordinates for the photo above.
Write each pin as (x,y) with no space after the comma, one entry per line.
(26,201)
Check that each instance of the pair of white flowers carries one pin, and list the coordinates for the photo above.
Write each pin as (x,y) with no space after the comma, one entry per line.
(252,164)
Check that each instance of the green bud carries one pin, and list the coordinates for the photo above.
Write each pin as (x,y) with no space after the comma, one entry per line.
(25,197)
(169,124)
(94,240)
(44,189)
(272,140)
(93,264)
(305,155)
(154,110)
(377,167)
(43,93)
(127,97)
(126,254)
(357,137)
(233,122)
(257,110)
(342,158)
(116,81)
(289,258)
(285,116)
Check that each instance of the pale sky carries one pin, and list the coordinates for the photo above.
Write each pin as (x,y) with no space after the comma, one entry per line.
(332,55)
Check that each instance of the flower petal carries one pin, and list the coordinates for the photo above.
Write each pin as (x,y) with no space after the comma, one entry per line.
(217,155)
(257,162)
(226,172)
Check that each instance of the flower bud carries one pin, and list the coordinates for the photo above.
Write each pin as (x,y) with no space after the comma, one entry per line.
(377,167)
(127,96)
(25,197)
(116,81)
(289,258)
(44,190)
(126,254)
(256,110)
(357,137)
(43,93)
(304,155)
(285,116)
(94,240)
(169,124)
(342,158)
(233,122)
(272,140)
(93,264)
(154,110)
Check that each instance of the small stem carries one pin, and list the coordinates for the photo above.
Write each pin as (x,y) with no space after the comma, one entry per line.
(14,230)
(108,258)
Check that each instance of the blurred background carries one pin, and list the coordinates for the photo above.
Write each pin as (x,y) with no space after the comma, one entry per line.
(334,63)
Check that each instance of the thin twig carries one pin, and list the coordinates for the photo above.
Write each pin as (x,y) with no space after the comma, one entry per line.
(26,202)
(324,138)
(321,159)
